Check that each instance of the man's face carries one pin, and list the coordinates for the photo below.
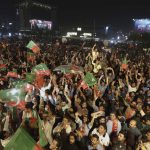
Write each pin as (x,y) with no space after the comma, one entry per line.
(133,105)
(112,116)
(101,129)
(102,120)
(132,123)
(148,108)
(85,119)
(101,108)
(133,85)
(94,141)
(121,137)
(139,100)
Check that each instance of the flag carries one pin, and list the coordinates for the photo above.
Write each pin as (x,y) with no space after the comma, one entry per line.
(42,137)
(41,69)
(14,94)
(89,79)
(19,84)
(39,81)
(30,77)
(76,69)
(19,105)
(69,69)
(84,85)
(63,68)
(30,56)
(124,64)
(21,140)
(31,45)
(12,74)
(13,97)
(2,66)
(22,84)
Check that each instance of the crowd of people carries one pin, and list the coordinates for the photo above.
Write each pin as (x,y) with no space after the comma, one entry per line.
(113,114)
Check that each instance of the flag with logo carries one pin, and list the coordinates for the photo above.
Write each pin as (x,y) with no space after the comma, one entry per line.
(41,69)
(31,45)
(14,94)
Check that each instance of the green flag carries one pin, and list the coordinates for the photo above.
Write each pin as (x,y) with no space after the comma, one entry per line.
(41,69)
(42,137)
(124,61)
(19,84)
(21,140)
(30,77)
(2,67)
(14,94)
(63,68)
(31,45)
(30,56)
(90,79)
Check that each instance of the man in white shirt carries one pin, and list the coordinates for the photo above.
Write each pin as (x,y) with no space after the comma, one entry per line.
(42,90)
(102,134)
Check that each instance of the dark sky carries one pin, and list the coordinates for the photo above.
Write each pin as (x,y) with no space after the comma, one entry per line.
(117,13)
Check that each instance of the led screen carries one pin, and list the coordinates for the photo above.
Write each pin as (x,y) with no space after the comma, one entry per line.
(142,25)
(40,24)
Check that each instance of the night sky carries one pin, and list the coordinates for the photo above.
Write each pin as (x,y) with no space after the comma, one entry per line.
(117,13)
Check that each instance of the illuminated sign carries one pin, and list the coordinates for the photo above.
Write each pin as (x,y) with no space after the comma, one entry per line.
(71,34)
(87,34)
(142,24)
(40,24)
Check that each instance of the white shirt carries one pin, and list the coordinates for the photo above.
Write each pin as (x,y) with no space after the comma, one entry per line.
(131,89)
(42,90)
(104,140)
(68,128)
(5,142)
(6,124)
(48,129)
(28,98)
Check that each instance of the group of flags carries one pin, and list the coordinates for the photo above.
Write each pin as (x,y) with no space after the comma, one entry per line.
(16,95)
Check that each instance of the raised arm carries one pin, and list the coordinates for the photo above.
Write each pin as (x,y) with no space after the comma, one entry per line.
(99,80)
(67,97)
(127,80)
